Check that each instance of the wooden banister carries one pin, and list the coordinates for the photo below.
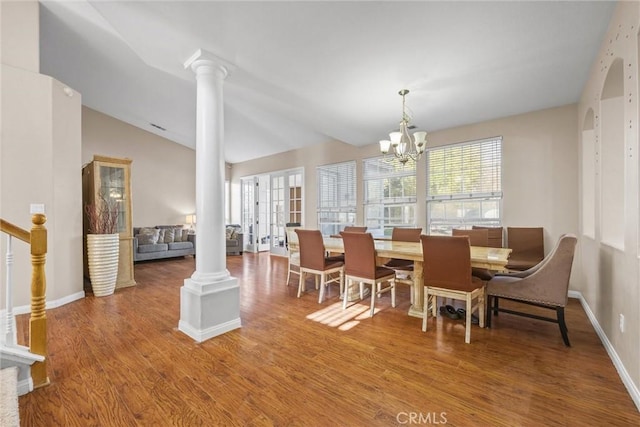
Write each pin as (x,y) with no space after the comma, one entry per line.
(15,231)
(37,239)
(38,320)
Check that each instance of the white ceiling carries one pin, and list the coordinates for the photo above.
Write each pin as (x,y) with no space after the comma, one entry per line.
(309,72)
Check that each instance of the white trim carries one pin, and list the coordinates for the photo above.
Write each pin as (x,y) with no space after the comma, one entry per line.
(23,309)
(25,386)
(624,375)
(201,335)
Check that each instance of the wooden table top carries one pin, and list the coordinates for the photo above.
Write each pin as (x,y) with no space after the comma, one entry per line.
(483,257)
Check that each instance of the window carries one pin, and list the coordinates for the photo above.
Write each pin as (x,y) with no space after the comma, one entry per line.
(336,197)
(464,185)
(389,195)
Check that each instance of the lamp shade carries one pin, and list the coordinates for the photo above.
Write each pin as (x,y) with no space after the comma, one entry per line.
(384,146)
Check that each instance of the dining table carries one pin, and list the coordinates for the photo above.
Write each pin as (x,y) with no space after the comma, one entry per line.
(494,259)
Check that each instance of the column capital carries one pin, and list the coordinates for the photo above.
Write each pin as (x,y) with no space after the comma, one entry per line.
(203,60)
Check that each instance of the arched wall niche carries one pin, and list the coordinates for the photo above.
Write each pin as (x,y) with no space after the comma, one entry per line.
(612,157)
(614,83)
(588,120)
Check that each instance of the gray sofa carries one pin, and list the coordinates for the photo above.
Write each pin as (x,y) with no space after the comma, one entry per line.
(162,241)
(235,239)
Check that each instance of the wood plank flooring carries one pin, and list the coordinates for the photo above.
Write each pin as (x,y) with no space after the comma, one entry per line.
(120,361)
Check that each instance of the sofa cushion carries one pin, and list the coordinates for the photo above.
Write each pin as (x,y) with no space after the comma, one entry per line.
(180,235)
(159,247)
(169,235)
(180,245)
(148,236)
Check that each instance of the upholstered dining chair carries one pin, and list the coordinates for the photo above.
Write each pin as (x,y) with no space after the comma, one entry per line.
(527,247)
(477,237)
(314,261)
(354,229)
(350,229)
(293,253)
(360,266)
(494,235)
(447,274)
(404,267)
(544,285)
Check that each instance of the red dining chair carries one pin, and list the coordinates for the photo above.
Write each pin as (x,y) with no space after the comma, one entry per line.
(527,247)
(360,266)
(447,274)
(314,261)
(477,237)
(404,267)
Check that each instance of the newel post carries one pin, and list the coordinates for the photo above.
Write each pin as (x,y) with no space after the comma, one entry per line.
(38,320)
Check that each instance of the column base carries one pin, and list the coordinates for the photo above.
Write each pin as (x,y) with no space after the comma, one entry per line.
(210,309)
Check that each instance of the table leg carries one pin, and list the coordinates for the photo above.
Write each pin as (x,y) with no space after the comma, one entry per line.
(416,310)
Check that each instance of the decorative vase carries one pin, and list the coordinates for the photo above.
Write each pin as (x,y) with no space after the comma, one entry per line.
(102,257)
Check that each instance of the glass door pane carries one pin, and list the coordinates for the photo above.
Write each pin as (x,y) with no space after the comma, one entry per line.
(262,212)
(278,211)
(248,214)
(113,192)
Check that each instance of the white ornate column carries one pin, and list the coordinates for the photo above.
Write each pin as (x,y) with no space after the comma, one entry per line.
(210,298)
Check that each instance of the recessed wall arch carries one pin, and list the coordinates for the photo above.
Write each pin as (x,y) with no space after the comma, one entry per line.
(612,156)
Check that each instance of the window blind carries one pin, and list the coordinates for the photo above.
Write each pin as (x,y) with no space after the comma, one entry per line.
(471,170)
(336,196)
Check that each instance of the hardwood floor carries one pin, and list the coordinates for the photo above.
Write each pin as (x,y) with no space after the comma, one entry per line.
(120,361)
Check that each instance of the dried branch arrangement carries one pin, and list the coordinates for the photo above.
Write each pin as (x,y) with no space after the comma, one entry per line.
(102,216)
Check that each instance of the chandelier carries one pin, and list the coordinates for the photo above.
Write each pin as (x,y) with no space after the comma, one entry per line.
(404,147)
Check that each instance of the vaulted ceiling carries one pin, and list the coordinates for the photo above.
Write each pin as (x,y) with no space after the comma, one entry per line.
(307,72)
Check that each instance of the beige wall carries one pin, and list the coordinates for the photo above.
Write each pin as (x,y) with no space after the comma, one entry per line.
(609,266)
(20,34)
(39,158)
(162,172)
(540,176)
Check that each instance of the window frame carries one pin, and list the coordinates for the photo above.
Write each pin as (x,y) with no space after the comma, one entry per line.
(486,197)
(342,210)
(406,203)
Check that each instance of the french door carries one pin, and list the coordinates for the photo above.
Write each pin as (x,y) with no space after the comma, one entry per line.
(255,213)
(269,203)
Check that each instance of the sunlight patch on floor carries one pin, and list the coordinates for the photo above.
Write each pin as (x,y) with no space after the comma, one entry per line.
(335,317)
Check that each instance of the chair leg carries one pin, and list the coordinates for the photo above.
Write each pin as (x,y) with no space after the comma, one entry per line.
(316,276)
(495,305)
(300,284)
(342,283)
(323,285)
(434,305)
(373,298)
(288,275)
(393,293)
(490,301)
(345,295)
(362,290)
(467,323)
(482,307)
(563,326)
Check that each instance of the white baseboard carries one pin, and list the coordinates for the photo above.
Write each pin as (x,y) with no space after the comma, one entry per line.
(622,371)
(23,309)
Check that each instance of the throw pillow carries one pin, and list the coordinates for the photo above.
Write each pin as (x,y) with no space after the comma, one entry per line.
(178,234)
(161,236)
(146,239)
(229,232)
(169,235)
(151,235)
(185,235)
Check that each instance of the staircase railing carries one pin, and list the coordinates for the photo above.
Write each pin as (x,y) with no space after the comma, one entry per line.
(37,239)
